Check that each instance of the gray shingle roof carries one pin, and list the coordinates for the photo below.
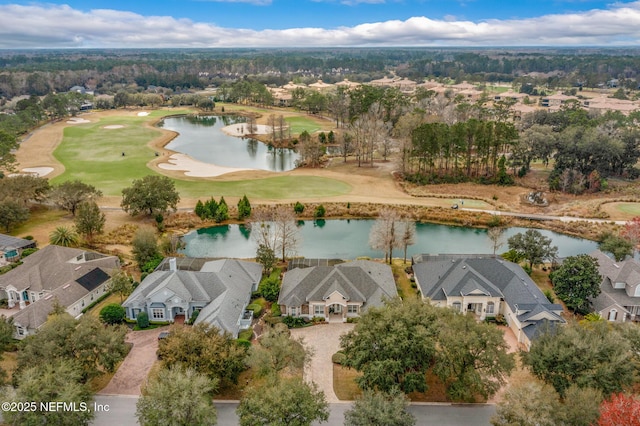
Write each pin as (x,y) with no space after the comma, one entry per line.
(34,315)
(9,242)
(457,275)
(358,281)
(54,266)
(627,271)
(223,286)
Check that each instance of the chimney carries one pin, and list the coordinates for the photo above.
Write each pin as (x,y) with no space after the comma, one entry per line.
(172,264)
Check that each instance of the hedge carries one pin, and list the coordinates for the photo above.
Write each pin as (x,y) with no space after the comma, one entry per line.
(257,309)
(95,302)
(338,358)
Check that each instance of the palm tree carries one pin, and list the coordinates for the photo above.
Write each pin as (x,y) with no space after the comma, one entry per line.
(63,236)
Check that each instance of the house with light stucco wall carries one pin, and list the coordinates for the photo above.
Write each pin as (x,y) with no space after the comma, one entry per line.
(485,286)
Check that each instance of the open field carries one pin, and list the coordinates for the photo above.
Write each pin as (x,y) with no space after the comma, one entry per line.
(625,211)
(93,153)
(300,124)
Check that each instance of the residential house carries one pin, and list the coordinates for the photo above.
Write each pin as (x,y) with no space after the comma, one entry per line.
(556,100)
(73,278)
(321,86)
(347,85)
(619,298)
(336,292)
(485,287)
(219,291)
(12,247)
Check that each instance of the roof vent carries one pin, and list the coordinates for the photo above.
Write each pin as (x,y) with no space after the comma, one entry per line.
(77,267)
(66,286)
(464,266)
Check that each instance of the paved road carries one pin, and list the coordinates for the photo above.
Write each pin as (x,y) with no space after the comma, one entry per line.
(122,413)
(543,217)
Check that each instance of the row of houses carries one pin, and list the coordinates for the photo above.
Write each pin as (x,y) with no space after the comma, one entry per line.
(218,291)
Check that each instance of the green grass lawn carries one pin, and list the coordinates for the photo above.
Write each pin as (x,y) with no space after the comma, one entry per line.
(300,124)
(39,215)
(279,187)
(629,208)
(93,154)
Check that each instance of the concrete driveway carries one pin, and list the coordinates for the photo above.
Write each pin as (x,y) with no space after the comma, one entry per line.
(324,341)
(136,366)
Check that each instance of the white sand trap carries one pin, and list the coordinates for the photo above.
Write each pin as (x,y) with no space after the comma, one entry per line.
(143,114)
(40,171)
(113,126)
(76,120)
(242,129)
(195,168)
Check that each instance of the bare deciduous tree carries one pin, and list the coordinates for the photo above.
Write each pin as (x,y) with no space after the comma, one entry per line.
(385,233)
(276,229)
(407,235)
(495,235)
(286,230)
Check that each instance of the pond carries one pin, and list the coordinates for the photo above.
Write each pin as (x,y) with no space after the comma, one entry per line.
(348,239)
(202,138)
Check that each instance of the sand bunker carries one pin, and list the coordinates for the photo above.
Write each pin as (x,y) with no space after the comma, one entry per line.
(39,171)
(113,126)
(195,168)
(242,129)
(76,120)
(143,114)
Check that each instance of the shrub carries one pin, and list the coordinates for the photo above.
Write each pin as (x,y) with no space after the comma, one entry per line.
(246,335)
(152,264)
(338,358)
(270,288)
(293,322)
(27,252)
(273,320)
(549,295)
(275,310)
(298,207)
(527,269)
(194,317)
(257,309)
(113,313)
(320,211)
(243,343)
(142,320)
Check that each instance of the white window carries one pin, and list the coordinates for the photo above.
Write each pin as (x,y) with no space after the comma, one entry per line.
(613,315)
(318,309)
(490,307)
(20,330)
(457,306)
(157,313)
(293,311)
(352,309)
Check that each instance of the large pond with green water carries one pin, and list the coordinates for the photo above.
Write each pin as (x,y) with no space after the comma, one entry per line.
(202,138)
(348,239)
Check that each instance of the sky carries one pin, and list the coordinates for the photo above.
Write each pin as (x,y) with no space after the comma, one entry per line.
(316,23)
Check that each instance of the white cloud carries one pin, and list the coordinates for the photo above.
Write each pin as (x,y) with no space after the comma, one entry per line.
(61,26)
(254,2)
